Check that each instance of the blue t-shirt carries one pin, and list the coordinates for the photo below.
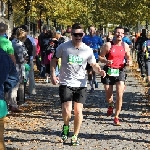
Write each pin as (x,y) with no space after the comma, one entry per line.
(147,45)
(94,42)
(127,40)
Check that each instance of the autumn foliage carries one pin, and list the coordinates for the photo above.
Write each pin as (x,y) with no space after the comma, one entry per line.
(85,11)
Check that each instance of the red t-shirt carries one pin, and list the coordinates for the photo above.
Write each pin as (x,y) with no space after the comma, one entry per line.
(117,55)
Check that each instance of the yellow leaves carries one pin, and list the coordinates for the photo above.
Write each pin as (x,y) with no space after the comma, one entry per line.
(98,10)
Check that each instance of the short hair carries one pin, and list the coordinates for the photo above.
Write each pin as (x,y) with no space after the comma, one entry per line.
(51,33)
(143,31)
(76,26)
(45,27)
(90,27)
(119,27)
(68,26)
(3,27)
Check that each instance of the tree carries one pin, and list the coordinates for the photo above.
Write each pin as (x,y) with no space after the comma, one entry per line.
(85,11)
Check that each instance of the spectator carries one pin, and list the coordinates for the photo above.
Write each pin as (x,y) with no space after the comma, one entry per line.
(5,44)
(31,48)
(38,52)
(20,54)
(8,80)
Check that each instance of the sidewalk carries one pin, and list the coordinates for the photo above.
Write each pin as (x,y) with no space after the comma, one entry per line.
(39,127)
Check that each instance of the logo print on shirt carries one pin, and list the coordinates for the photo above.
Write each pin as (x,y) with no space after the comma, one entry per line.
(75,59)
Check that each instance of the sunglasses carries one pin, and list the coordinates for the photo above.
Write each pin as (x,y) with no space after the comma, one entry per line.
(77,34)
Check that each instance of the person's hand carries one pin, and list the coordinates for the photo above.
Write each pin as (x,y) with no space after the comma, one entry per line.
(101,72)
(54,80)
(109,62)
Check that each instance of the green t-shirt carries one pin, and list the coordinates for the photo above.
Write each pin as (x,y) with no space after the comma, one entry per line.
(3,109)
(27,67)
(6,45)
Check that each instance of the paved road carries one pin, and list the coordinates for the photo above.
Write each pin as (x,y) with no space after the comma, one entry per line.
(39,127)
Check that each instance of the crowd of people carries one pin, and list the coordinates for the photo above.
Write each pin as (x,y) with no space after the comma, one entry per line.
(62,57)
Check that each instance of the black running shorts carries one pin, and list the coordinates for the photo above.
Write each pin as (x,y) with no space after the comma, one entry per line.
(76,94)
(111,80)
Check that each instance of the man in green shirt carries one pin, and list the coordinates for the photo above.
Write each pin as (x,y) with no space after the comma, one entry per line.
(8,80)
(5,44)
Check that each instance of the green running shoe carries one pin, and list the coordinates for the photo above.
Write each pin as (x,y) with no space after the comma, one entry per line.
(65,133)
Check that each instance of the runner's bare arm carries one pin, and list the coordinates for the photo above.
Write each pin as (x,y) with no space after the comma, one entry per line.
(98,69)
(105,49)
(127,54)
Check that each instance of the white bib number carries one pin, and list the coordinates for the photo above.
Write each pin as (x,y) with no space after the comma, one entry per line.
(113,72)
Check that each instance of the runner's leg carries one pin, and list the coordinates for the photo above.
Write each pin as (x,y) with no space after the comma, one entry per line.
(119,96)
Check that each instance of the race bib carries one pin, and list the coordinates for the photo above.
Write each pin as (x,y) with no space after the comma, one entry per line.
(113,72)
(75,59)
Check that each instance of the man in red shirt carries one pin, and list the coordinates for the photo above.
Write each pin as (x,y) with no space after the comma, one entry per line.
(113,55)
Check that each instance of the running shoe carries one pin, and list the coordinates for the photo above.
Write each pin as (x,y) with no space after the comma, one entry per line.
(65,133)
(75,140)
(117,122)
(110,111)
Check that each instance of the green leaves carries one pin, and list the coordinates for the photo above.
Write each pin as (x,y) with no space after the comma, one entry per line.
(86,11)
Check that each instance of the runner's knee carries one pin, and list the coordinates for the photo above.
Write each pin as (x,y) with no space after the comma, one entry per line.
(78,109)
(66,109)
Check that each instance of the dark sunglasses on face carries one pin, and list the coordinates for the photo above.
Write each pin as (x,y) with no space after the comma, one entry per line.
(77,34)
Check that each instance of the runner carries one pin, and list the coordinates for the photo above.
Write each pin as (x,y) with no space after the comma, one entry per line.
(74,56)
(94,42)
(126,38)
(141,55)
(146,50)
(115,53)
